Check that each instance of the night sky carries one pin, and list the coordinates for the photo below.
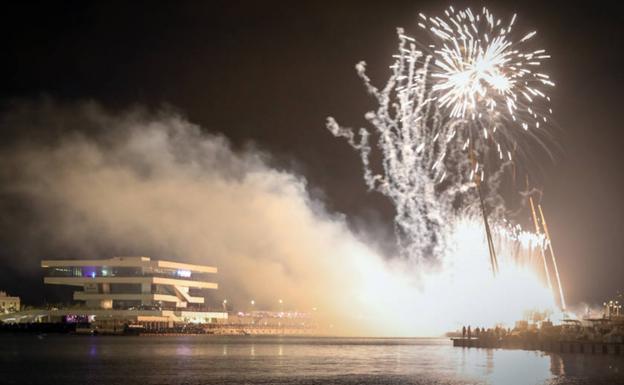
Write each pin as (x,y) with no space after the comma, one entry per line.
(268,74)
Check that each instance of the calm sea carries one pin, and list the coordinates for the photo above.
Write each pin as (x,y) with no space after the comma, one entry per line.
(69,360)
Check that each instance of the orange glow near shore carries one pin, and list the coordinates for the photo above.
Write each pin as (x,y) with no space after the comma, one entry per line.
(396,300)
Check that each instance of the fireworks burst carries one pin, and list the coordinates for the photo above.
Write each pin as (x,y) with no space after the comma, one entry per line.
(447,117)
(482,75)
(448,122)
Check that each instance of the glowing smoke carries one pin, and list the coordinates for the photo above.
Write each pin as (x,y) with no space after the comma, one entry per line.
(153,184)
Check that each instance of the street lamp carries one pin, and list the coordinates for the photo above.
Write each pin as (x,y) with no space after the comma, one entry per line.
(253,303)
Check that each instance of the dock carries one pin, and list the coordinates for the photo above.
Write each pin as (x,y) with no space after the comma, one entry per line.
(547,345)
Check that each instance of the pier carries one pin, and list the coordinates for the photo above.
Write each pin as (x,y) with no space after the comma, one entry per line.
(555,346)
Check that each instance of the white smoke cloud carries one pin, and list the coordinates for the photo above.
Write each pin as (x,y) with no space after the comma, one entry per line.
(156,185)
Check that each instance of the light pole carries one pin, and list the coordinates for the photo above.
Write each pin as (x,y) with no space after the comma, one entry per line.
(610,308)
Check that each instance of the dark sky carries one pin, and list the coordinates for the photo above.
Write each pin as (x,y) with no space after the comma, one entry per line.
(270,72)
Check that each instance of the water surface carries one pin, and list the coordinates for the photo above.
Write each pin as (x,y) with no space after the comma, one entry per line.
(147,360)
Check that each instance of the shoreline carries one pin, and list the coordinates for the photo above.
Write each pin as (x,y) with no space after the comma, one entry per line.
(549,345)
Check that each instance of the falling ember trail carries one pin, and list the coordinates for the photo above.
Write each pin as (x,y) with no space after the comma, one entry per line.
(537,231)
(488,232)
(554,261)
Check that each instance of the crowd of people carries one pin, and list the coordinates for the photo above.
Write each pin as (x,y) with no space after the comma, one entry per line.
(497,332)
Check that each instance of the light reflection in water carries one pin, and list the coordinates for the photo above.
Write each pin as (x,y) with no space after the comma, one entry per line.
(338,361)
(556,365)
(504,367)
(489,359)
(516,367)
(183,350)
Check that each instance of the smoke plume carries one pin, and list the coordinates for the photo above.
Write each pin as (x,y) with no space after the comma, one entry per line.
(90,184)
(156,185)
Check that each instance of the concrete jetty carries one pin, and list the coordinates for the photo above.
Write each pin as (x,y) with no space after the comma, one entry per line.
(548,345)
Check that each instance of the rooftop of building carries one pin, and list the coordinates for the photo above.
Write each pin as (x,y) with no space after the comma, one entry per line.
(4,294)
(132,261)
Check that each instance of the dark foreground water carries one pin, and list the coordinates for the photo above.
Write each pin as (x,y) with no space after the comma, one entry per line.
(72,360)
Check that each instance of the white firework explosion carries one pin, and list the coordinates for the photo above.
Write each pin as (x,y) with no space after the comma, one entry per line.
(484,75)
(448,120)
(447,117)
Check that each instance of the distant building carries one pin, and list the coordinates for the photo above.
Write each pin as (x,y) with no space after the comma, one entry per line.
(132,282)
(123,291)
(9,304)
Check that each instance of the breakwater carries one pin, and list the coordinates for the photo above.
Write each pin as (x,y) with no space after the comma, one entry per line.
(546,345)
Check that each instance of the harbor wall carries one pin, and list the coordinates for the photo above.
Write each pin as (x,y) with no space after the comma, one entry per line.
(555,346)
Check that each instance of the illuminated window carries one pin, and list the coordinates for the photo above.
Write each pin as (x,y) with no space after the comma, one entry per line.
(184,273)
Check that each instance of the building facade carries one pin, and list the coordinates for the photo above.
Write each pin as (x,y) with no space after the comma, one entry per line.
(132,282)
(8,304)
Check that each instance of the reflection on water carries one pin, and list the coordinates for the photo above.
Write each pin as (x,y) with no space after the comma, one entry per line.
(71,360)
(598,366)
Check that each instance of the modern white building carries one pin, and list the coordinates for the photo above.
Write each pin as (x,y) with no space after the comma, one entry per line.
(132,283)
(8,304)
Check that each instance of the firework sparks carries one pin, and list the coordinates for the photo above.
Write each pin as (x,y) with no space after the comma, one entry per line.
(482,73)
(448,120)
(446,117)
